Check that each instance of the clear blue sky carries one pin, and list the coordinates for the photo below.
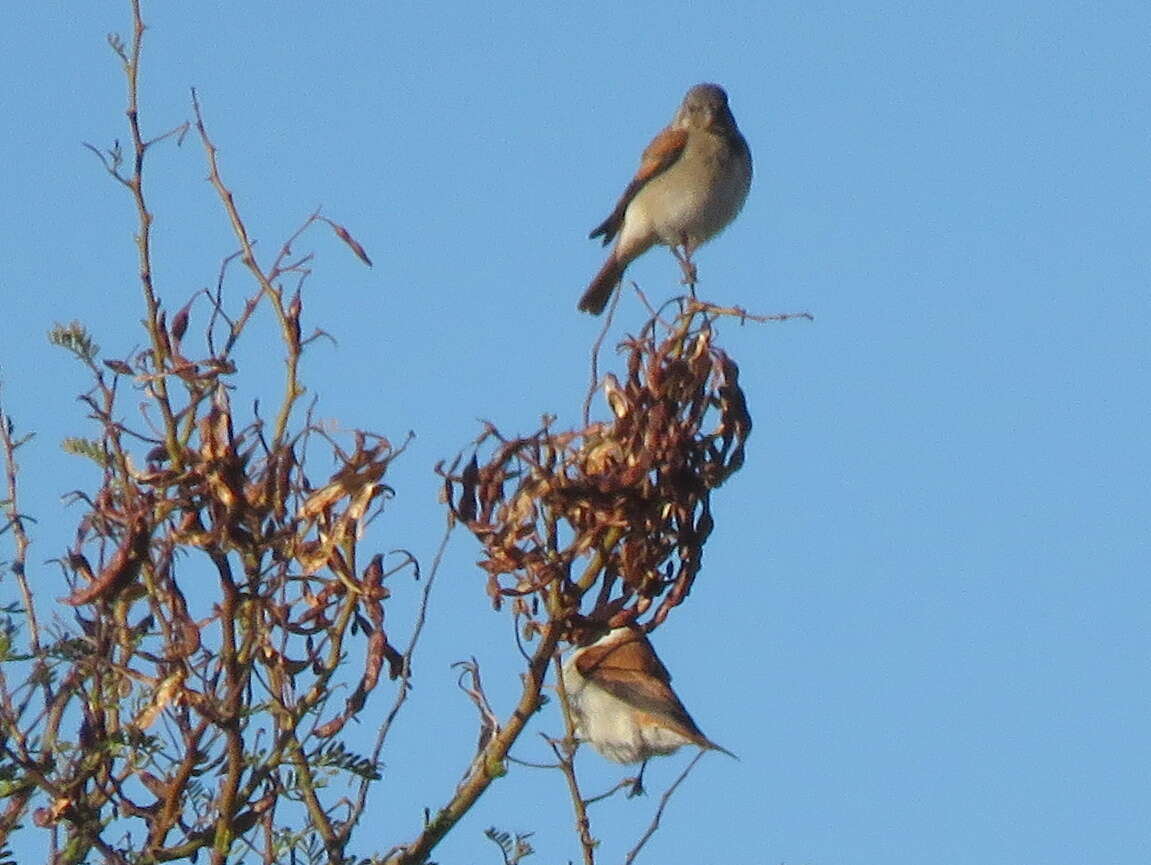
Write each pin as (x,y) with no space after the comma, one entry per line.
(923,622)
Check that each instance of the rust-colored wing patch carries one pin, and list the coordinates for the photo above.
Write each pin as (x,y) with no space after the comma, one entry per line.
(661,154)
(629,670)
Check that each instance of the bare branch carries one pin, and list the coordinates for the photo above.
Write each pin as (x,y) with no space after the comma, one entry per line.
(664,799)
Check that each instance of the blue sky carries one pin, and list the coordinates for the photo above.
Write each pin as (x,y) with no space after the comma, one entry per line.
(923,621)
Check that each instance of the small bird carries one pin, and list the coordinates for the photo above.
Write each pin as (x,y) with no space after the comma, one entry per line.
(692,181)
(622,702)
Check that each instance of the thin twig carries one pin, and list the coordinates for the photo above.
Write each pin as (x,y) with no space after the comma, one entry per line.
(144,217)
(289,324)
(15,747)
(624,783)
(596,348)
(566,759)
(691,306)
(15,521)
(529,764)
(406,667)
(489,763)
(651,830)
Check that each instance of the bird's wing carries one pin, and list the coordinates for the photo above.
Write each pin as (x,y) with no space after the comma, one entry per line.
(630,671)
(628,651)
(660,155)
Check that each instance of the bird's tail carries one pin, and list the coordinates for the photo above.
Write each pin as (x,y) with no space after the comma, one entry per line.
(599,292)
(711,746)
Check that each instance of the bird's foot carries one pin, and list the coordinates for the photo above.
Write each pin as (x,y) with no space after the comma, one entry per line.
(690,277)
(637,784)
(682,252)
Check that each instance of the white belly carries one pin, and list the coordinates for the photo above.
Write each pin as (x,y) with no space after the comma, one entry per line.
(695,211)
(612,726)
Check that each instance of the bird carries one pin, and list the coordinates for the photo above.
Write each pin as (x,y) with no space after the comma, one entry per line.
(621,699)
(692,182)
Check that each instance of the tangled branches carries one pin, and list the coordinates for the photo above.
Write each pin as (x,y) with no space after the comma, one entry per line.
(217,582)
(618,511)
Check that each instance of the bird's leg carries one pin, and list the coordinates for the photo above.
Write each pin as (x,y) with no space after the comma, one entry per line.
(637,785)
(682,252)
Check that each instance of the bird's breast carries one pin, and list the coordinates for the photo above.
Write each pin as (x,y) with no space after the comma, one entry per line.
(616,729)
(696,198)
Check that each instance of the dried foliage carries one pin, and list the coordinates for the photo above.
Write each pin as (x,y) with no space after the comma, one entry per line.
(597,526)
(220,593)
(620,510)
(219,589)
